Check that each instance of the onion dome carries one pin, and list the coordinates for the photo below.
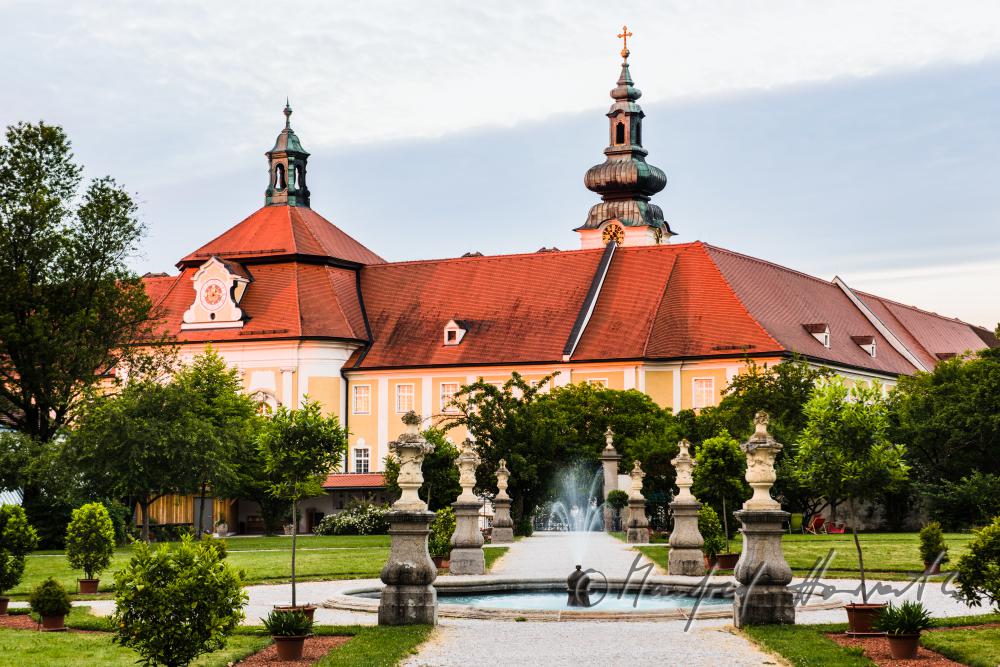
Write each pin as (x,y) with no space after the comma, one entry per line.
(625,181)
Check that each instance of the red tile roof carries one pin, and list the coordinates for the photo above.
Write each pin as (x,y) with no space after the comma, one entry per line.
(281,231)
(374,480)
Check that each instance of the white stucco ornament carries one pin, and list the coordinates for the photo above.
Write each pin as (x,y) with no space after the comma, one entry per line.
(502,476)
(637,475)
(761,450)
(410,449)
(218,289)
(467,462)
(684,465)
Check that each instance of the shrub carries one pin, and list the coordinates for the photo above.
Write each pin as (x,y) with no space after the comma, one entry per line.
(909,618)
(287,624)
(360,519)
(17,540)
(90,539)
(49,598)
(971,501)
(932,543)
(524,527)
(442,528)
(172,605)
(711,531)
(215,543)
(979,568)
(617,500)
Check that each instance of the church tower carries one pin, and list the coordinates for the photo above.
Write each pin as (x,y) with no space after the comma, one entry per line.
(286,166)
(625,180)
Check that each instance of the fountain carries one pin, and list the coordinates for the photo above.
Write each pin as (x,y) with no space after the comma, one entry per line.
(577,510)
(578,588)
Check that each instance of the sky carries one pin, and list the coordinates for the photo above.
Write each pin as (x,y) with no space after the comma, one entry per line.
(859,139)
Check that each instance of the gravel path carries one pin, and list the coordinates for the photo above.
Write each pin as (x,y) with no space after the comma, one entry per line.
(556,554)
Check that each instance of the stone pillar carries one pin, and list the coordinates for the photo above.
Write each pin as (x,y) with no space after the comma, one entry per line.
(467,541)
(762,572)
(638,526)
(686,556)
(609,461)
(503,525)
(408,597)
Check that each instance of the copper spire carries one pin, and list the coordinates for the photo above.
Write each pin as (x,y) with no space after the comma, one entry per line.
(288,114)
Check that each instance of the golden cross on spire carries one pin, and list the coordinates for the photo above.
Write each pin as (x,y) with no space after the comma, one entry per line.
(624,37)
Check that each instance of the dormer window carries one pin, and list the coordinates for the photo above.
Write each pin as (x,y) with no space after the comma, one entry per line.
(820,331)
(454,332)
(866,343)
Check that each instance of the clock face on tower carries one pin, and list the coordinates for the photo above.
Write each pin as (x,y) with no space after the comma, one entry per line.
(212,294)
(613,232)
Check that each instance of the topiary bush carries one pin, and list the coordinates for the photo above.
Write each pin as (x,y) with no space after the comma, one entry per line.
(172,605)
(979,568)
(360,519)
(17,540)
(932,544)
(90,539)
(711,531)
(49,598)
(442,528)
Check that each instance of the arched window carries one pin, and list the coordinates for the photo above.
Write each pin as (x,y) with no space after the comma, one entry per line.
(300,176)
(620,133)
(279,177)
(638,133)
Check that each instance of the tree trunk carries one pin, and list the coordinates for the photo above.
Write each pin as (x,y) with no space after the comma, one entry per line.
(201,510)
(857,545)
(295,528)
(144,508)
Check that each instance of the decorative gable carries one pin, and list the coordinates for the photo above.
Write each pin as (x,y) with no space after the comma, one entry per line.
(820,331)
(866,343)
(219,287)
(454,332)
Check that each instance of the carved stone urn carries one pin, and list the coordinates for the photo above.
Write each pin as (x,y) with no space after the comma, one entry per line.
(686,541)
(638,525)
(467,541)
(503,525)
(408,597)
(609,462)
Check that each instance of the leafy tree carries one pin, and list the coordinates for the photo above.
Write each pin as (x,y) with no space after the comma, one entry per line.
(948,417)
(142,443)
(17,540)
(971,501)
(979,568)
(845,451)
(441,487)
(172,605)
(655,450)
(299,448)
(720,476)
(90,539)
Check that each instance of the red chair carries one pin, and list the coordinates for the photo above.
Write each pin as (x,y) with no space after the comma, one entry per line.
(836,528)
(816,525)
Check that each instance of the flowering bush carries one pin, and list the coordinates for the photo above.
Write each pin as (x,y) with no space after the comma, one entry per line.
(360,519)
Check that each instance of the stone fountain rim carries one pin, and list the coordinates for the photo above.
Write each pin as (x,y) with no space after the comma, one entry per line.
(345,598)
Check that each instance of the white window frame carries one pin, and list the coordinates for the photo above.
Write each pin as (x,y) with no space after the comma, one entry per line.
(446,397)
(413,397)
(355,396)
(694,392)
(358,451)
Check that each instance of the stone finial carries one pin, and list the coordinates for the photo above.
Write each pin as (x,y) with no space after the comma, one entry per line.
(684,464)
(609,439)
(637,475)
(502,476)
(410,449)
(761,450)
(467,461)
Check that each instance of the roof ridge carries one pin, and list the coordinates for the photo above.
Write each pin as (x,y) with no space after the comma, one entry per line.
(329,279)
(767,262)
(308,230)
(919,310)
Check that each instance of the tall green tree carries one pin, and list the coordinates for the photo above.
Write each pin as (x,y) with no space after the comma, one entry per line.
(845,451)
(720,476)
(299,448)
(441,487)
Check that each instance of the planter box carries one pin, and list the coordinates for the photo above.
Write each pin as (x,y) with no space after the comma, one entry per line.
(289,648)
(53,623)
(903,647)
(3,605)
(308,609)
(861,617)
(88,586)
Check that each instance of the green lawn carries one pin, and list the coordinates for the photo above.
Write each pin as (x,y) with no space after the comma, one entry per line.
(372,646)
(492,554)
(887,555)
(264,559)
(978,648)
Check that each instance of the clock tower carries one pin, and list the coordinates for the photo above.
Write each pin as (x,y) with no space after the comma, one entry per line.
(625,181)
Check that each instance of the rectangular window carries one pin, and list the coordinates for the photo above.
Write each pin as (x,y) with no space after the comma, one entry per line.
(361,458)
(704,392)
(598,382)
(448,391)
(404,398)
(362,399)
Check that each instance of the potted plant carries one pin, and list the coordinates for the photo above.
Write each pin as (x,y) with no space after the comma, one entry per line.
(439,541)
(720,481)
(299,448)
(289,630)
(90,543)
(845,452)
(713,534)
(51,602)
(17,540)
(902,626)
(933,550)
(221,528)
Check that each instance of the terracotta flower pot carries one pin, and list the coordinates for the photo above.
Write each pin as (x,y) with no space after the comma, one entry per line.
(53,623)
(289,648)
(727,561)
(932,568)
(88,586)
(3,605)
(441,562)
(307,609)
(903,647)
(861,617)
